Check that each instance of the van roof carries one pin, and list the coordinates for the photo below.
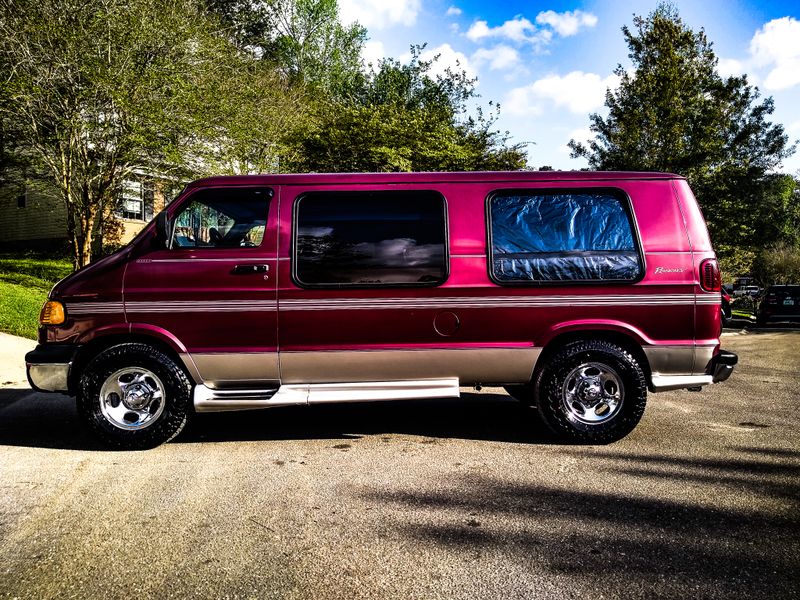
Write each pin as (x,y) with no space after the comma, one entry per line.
(437,177)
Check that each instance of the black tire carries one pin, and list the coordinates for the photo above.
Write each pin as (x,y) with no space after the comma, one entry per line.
(522,392)
(164,412)
(591,372)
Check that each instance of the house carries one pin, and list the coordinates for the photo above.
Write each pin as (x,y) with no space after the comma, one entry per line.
(33,216)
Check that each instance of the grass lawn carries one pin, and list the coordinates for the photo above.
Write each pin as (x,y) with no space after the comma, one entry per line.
(25,280)
(743,314)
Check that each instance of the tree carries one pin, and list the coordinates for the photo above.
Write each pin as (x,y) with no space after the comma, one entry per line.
(303,39)
(674,113)
(403,118)
(779,263)
(94,90)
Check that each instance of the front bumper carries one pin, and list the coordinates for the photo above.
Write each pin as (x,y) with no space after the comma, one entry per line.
(48,366)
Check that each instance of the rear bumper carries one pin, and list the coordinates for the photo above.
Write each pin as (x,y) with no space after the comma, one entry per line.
(722,365)
(719,369)
(48,366)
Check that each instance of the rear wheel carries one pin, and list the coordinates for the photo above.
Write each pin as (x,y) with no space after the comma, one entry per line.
(592,392)
(133,396)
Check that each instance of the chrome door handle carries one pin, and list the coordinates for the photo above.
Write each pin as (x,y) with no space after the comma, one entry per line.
(240,269)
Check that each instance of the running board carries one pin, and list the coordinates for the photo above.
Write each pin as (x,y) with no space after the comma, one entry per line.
(212,400)
(665,383)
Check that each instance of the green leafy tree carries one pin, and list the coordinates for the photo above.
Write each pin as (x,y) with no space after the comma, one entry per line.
(94,90)
(674,113)
(401,117)
(778,263)
(303,39)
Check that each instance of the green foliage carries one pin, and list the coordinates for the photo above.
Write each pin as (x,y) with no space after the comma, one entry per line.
(778,264)
(674,113)
(33,271)
(24,284)
(19,309)
(97,89)
(301,39)
(401,117)
(734,260)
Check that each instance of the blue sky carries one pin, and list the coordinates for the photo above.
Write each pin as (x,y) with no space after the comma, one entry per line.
(548,63)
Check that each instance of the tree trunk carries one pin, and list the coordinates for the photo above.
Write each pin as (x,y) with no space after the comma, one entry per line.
(87,229)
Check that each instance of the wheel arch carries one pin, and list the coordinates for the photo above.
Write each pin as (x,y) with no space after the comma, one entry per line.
(627,338)
(149,335)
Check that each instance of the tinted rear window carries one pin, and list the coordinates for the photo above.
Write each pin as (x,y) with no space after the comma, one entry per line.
(543,236)
(370,239)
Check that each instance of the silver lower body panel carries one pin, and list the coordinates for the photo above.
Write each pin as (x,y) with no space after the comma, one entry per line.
(469,365)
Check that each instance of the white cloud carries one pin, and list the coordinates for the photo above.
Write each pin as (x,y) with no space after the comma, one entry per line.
(379,14)
(793,127)
(582,136)
(774,56)
(777,46)
(783,76)
(579,92)
(728,67)
(448,57)
(518,29)
(372,52)
(520,102)
(454,11)
(522,30)
(776,42)
(566,23)
(500,57)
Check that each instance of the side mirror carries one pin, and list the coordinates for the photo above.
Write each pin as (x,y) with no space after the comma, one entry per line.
(162,230)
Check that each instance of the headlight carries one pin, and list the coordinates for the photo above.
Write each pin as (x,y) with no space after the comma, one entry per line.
(52,313)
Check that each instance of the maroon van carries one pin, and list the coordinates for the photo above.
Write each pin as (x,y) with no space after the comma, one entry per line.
(578,292)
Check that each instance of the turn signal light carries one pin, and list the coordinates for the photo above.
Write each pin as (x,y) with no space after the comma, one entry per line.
(52,313)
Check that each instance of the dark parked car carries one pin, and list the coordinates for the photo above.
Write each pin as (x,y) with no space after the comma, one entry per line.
(780,303)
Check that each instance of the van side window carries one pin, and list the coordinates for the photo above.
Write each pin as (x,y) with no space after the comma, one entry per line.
(545,236)
(370,239)
(222,218)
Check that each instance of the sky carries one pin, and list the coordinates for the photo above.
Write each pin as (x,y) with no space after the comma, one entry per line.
(548,64)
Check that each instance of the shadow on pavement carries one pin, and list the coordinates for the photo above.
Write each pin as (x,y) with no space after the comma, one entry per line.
(31,419)
(51,421)
(625,545)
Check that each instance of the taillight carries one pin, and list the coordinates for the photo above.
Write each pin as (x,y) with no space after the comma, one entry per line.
(710,277)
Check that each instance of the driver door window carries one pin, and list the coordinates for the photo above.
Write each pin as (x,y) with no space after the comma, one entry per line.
(222,218)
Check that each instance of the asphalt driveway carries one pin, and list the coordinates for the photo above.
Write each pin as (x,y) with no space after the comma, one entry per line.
(444,499)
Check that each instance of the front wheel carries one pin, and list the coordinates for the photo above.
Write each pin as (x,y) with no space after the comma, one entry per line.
(133,397)
(592,392)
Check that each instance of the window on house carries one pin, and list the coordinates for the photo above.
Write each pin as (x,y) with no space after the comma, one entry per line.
(22,200)
(132,200)
(370,239)
(222,218)
(547,236)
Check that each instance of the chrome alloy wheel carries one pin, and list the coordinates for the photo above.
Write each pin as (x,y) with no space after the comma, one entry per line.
(592,393)
(132,398)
